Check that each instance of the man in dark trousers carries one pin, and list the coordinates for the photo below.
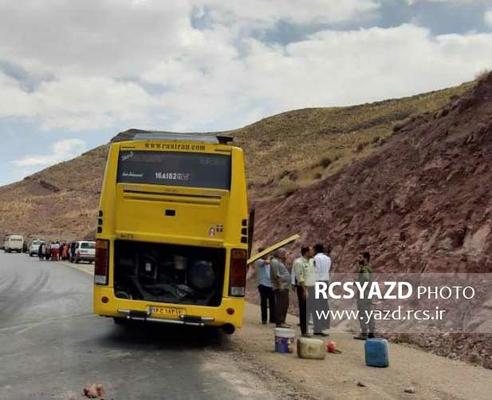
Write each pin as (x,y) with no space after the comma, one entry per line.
(303,271)
(281,281)
(364,303)
(264,282)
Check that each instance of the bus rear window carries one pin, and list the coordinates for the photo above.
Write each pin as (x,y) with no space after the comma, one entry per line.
(200,170)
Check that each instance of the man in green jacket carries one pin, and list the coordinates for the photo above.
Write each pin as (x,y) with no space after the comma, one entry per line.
(281,282)
(364,303)
(303,270)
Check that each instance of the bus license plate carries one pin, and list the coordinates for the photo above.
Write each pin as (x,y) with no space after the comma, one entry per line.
(166,312)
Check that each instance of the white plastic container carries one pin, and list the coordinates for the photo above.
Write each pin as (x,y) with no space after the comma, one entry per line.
(284,340)
(311,348)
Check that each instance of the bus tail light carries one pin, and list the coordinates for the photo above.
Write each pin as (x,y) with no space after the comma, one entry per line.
(237,279)
(101,267)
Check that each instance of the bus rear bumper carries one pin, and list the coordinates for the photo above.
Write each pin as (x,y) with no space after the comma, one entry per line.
(229,313)
(183,320)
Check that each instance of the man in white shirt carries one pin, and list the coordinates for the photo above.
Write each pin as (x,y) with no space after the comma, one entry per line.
(322,267)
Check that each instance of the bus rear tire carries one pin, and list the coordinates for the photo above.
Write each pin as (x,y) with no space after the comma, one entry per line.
(228,329)
(120,321)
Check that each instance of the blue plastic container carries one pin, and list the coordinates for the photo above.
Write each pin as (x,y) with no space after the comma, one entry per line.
(377,354)
(284,340)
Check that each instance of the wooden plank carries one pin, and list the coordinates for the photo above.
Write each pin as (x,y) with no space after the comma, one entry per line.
(274,247)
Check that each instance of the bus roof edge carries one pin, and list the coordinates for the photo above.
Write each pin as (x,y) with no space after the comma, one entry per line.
(139,134)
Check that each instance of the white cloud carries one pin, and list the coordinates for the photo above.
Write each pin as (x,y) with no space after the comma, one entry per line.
(103,37)
(120,37)
(294,11)
(119,64)
(78,102)
(488,18)
(13,98)
(411,2)
(328,68)
(60,151)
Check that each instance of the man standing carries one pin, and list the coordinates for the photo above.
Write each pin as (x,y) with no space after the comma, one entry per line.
(304,281)
(281,282)
(264,282)
(364,303)
(41,250)
(55,249)
(322,266)
(48,251)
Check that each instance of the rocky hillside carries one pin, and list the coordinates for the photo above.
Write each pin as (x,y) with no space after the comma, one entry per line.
(421,202)
(298,147)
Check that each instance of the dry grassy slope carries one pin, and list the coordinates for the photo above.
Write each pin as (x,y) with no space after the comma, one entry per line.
(304,145)
(57,203)
(283,152)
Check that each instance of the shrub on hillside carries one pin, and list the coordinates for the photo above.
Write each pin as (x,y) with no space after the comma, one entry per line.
(287,189)
(325,162)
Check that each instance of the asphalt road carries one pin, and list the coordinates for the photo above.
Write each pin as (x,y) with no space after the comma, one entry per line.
(51,345)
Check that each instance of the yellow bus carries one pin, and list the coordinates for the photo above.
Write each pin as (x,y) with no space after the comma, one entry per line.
(172,236)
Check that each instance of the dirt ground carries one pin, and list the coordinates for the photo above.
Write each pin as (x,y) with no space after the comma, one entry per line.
(345,376)
(248,361)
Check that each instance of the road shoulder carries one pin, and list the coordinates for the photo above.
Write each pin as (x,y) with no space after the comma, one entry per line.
(345,375)
(85,267)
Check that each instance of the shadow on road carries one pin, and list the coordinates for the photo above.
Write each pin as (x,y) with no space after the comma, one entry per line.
(139,335)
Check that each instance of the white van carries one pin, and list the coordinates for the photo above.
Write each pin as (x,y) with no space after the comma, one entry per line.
(13,243)
(83,251)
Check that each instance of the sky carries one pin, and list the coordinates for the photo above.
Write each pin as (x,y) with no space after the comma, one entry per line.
(74,73)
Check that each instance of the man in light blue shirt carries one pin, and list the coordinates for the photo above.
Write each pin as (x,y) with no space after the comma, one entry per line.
(264,282)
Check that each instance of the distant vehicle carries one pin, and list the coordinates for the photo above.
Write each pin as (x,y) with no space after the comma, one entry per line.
(83,251)
(34,247)
(13,243)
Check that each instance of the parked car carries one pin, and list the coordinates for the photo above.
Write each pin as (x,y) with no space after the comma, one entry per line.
(13,243)
(34,247)
(83,250)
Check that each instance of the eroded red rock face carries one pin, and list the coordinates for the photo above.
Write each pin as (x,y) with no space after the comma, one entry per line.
(423,202)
